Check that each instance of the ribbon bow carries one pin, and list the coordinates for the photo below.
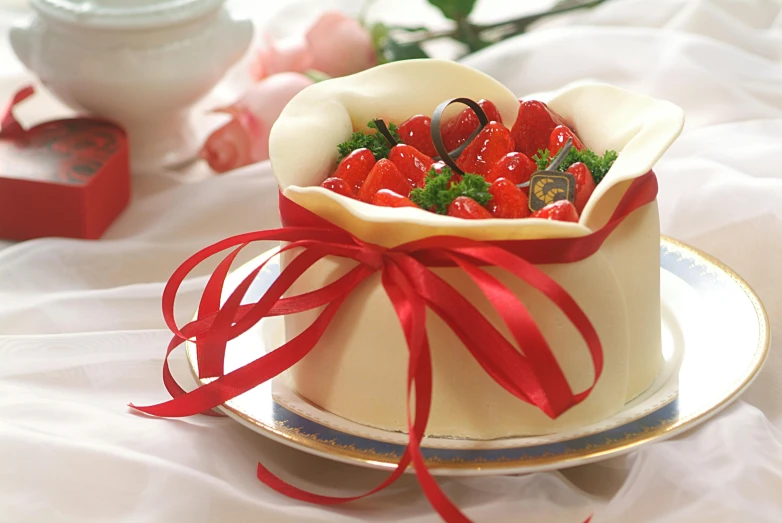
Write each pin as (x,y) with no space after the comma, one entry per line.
(534,376)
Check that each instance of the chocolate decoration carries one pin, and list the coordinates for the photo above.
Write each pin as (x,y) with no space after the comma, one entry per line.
(383,129)
(437,135)
(550,185)
(547,187)
(560,156)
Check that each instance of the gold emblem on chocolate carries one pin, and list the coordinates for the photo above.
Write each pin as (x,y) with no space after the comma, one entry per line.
(547,187)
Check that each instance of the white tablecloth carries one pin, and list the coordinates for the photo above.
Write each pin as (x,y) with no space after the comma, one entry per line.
(81,332)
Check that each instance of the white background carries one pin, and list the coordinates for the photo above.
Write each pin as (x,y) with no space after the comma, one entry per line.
(81,332)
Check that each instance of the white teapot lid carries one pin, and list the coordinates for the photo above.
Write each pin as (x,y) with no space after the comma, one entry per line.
(125,14)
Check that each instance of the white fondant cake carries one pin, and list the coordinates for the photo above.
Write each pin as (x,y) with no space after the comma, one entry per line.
(358,369)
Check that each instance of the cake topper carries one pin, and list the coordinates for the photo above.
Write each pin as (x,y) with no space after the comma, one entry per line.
(550,185)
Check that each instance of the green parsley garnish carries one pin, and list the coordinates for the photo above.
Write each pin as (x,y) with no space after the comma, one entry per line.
(375,142)
(438,193)
(597,165)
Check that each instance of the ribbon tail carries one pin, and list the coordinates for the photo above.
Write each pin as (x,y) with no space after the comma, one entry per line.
(503,362)
(411,311)
(541,281)
(557,392)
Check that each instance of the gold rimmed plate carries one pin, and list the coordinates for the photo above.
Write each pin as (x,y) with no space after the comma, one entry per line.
(715,341)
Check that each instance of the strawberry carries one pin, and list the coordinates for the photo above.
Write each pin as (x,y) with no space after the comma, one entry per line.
(416,131)
(561,210)
(559,136)
(456,130)
(516,167)
(412,163)
(533,127)
(384,175)
(464,207)
(339,186)
(585,184)
(491,144)
(388,198)
(355,167)
(507,200)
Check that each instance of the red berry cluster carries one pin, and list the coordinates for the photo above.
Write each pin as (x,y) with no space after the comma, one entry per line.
(500,155)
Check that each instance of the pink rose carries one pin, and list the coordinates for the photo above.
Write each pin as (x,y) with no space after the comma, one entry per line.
(291,55)
(340,45)
(245,139)
(335,44)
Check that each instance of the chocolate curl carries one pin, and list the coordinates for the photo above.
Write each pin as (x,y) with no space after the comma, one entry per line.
(437,135)
(382,128)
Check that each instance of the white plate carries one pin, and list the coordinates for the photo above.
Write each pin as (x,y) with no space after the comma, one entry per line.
(715,340)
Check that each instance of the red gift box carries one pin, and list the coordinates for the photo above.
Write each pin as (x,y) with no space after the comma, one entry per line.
(67,178)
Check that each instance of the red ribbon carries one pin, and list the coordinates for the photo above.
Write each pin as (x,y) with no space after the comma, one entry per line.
(9,125)
(534,377)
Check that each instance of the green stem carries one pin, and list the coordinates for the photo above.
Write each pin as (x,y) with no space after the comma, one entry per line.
(469,34)
(405,37)
(561,8)
(489,33)
(502,30)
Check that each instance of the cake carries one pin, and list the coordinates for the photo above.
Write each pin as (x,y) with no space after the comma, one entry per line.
(358,369)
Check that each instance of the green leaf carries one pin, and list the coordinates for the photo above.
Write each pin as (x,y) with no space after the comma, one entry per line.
(379,34)
(393,51)
(454,9)
(389,50)
(543,158)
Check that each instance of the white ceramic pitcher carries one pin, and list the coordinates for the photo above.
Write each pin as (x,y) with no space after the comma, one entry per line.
(141,63)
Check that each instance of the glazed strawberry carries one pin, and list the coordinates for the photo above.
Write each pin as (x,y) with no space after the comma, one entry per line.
(355,167)
(516,167)
(384,175)
(585,184)
(491,144)
(412,163)
(457,130)
(507,200)
(339,186)
(561,210)
(559,136)
(464,207)
(533,127)
(416,131)
(388,198)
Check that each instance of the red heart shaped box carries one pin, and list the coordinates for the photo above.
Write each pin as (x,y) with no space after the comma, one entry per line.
(67,178)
